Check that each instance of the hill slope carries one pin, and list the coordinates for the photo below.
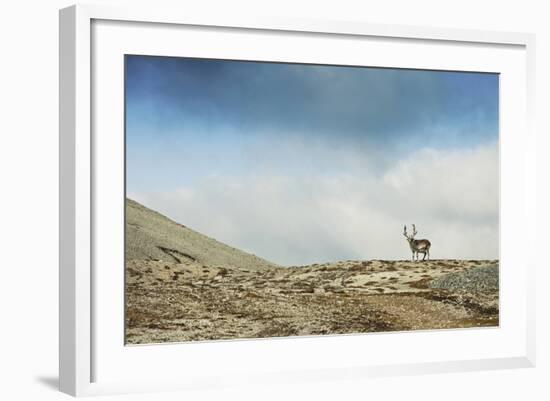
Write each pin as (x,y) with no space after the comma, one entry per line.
(152,236)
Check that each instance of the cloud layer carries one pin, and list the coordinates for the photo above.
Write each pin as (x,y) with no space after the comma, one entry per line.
(359,103)
(323,213)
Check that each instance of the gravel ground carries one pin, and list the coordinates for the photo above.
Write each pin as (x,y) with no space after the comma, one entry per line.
(477,279)
(170,302)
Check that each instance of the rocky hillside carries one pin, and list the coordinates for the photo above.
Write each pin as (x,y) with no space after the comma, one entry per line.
(172,302)
(150,236)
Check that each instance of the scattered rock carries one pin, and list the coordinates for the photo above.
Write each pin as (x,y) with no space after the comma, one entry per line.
(476,279)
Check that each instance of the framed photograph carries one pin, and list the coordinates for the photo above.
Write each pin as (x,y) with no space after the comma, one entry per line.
(273,200)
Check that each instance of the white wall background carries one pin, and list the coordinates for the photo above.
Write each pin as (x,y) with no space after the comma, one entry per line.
(28,206)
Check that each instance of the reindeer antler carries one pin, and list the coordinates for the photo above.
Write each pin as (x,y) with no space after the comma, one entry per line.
(414,230)
(405,230)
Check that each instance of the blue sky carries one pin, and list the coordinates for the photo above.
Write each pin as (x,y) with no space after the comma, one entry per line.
(192,121)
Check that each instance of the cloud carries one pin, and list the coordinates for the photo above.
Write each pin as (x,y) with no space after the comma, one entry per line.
(363,104)
(323,214)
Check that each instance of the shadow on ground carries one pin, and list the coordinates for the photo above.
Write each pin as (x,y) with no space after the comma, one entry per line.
(51,382)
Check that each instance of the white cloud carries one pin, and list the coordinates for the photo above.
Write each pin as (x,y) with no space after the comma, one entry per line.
(452,196)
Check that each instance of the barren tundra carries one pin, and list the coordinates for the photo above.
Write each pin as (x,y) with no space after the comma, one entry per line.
(184,286)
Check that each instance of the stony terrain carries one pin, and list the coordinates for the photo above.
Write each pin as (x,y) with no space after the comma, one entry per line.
(202,296)
(152,236)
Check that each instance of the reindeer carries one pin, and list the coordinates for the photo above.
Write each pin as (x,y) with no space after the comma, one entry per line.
(417,245)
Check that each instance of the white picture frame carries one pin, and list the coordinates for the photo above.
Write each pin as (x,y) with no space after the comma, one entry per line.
(84,352)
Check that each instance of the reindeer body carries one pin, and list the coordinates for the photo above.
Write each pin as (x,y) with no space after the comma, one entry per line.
(417,245)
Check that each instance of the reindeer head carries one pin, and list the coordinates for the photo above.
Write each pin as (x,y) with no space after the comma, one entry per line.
(410,237)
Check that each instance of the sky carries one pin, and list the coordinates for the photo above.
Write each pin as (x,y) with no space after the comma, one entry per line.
(303,164)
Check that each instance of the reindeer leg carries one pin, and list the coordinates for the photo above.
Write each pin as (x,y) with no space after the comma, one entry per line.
(424,257)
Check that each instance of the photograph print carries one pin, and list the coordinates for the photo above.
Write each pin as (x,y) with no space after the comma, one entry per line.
(281,199)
